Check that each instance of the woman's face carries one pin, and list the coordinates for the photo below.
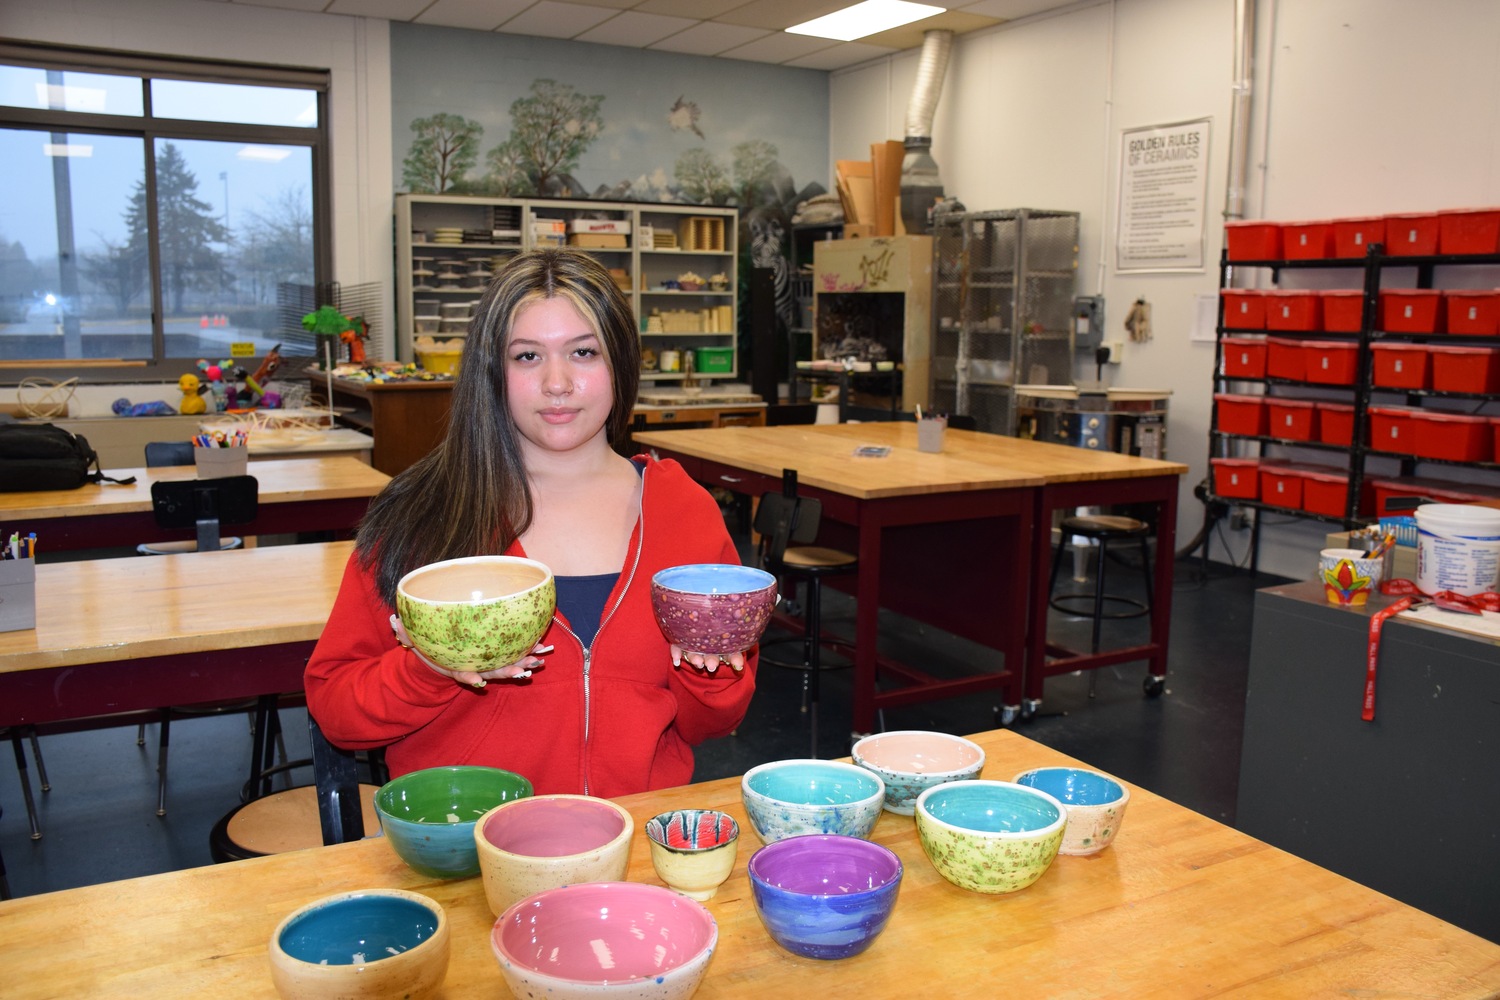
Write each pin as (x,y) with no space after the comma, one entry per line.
(557,380)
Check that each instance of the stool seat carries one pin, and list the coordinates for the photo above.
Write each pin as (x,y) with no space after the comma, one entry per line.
(813,558)
(279,822)
(1101,529)
(1103,526)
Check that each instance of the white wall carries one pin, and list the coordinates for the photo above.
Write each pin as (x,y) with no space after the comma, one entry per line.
(1361,107)
(356,51)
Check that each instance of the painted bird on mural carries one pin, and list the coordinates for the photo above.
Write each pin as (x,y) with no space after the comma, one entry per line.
(683,116)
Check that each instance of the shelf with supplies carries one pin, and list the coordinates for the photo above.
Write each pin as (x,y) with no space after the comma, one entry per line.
(676,264)
(1395,376)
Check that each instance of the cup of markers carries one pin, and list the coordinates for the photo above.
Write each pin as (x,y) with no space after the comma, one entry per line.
(221,453)
(18,583)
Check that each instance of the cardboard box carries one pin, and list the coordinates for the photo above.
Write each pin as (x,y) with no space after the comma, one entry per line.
(17,594)
(858,230)
(618,227)
(599,241)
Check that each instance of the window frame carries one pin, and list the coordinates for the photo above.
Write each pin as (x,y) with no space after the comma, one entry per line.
(150,130)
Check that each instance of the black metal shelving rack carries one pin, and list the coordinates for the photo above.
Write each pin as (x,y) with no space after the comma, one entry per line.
(1372,267)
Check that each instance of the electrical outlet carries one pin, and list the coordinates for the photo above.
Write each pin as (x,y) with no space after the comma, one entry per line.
(1116,351)
(1239,519)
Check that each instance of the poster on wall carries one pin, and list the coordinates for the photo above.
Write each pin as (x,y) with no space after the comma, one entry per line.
(1163,197)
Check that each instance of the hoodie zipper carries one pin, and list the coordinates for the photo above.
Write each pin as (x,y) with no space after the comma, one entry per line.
(588,657)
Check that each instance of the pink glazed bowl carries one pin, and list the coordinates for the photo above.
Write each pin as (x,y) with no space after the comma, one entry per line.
(551,840)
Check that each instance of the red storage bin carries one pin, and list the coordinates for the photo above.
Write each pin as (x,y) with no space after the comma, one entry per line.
(1441,490)
(1343,310)
(1244,357)
(1236,477)
(1456,437)
(1306,240)
(1335,423)
(1391,429)
(1465,369)
(1293,309)
(1352,236)
(1284,359)
(1469,230)
(1410,310)
(1412,235)
(1241,414)
(1290,419)
(1253,240)
(1400,366)
(1281,485)
(1244,308)
(1331,362)
(1472,311)
(1325,492)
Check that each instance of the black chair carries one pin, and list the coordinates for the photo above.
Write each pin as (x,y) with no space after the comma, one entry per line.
(788,527)
(336,808)
(167,453)
(1102,529)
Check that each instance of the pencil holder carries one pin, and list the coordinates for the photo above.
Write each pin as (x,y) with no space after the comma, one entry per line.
(216,463)
(930,431)
(17,594)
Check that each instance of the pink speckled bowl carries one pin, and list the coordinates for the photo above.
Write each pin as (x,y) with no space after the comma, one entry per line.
(713,608)
(550,840)
(602,940)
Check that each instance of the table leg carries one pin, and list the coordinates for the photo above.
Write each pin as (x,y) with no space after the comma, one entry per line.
(866,628)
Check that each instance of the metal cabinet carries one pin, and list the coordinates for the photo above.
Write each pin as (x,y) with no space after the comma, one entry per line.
(1002,306)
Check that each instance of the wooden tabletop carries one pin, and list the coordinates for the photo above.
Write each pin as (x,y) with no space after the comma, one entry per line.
(284,480)
(1179,906)
(108,610)
(823,455)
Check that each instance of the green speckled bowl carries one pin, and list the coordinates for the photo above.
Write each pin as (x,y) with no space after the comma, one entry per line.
(476,613)
(990,836)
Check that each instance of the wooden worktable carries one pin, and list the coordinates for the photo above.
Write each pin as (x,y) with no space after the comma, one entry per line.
(314,493)
(1178,907)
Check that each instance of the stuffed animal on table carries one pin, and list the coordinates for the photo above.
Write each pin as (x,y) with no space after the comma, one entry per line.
(216,375)
(256,383)
(354,338)
(192,395)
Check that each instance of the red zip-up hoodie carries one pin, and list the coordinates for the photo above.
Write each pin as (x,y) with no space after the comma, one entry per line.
(610,720)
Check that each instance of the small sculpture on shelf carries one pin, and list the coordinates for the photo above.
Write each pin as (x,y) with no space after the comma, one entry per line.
(193,390)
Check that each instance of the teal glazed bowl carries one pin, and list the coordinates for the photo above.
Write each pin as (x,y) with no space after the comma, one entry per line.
(367,943)
(1095,804)
(990,836)
(789,798)
(713,608)
(428,816)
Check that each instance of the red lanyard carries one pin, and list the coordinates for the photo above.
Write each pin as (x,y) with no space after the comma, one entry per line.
(1488,601)
(1377,620)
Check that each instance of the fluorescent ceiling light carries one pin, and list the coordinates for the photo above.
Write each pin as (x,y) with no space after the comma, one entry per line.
(66,149)
(67,97)
(865,19)
(265,154)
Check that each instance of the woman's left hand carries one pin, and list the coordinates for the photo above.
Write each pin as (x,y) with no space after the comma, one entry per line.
(707,661)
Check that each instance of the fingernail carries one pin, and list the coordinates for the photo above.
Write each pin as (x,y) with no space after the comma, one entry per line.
(480,682)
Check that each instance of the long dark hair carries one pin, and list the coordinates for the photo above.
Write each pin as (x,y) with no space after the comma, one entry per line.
(469,495)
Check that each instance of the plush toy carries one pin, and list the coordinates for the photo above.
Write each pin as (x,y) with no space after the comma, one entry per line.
(256,383)
(156,408)
(192,395)
(355,337)
(216,375)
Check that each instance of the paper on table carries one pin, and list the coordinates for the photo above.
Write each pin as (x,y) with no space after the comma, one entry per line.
(1485,624)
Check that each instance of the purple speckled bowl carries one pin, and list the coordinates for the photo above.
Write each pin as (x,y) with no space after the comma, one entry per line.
(713,608)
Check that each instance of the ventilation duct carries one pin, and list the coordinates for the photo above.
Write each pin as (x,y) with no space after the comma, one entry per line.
(921,187)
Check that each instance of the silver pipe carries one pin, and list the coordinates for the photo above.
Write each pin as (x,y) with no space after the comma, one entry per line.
(937,45)
(1239,109)
(921,185)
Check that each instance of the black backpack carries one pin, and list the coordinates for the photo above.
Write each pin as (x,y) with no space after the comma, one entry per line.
(35,457)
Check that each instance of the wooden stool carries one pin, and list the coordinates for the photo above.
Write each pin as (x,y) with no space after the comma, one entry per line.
(1102,529)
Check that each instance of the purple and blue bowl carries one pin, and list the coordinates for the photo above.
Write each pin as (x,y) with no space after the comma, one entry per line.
(713,608)
(824,897)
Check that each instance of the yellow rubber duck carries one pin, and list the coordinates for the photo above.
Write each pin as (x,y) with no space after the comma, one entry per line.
(192,395)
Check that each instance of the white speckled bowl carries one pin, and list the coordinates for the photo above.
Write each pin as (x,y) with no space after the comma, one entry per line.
(1095,804)
(911,761)
(789,798)
(529,845)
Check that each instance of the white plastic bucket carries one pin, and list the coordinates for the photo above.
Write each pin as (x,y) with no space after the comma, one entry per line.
(1458,548)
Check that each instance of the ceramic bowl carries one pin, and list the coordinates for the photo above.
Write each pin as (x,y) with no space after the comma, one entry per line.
(546,841)
(1095,804)
(789,798)
(367,943)
(477,612)
(428,816)
(824,896)
(713,607)
(989,836)
(694,850)
(605,939)
(911,761)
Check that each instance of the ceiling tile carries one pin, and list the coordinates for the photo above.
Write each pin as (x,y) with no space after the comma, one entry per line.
(706,9)
(552,19)
(839,56)
(780,14)
(778,47)
(390,10)
(1008,10)
(479,15)
(614,4)
(709,38)
(637,30)
(909,36)
(313,5)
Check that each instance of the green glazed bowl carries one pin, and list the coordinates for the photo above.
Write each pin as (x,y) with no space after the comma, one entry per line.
(477,613)
(990,836)
(428,816)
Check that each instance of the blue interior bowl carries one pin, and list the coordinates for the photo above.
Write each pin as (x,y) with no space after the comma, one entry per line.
(789,798)
(358,929)
(714,578)
(990,807)
(1074,786)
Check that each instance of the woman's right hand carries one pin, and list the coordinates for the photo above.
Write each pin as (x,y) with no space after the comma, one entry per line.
(475,678)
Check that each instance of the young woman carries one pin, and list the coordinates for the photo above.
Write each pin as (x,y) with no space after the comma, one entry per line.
(603,706)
